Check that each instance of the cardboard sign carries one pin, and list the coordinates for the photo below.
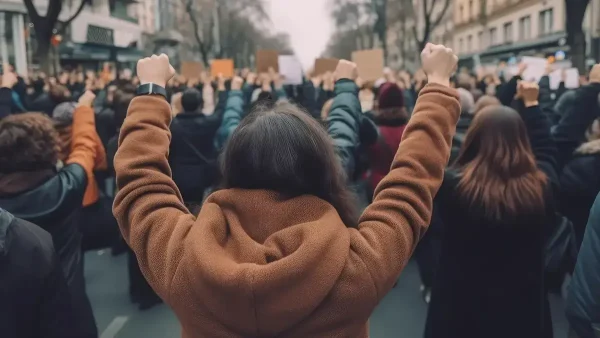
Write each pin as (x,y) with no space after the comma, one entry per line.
(323,66)
(191,69)
(536,68)
(222,66)
(571,78)
(291,69)
(266,59)
(370,64)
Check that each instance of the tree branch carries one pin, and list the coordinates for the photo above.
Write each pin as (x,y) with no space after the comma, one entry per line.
(190,10)
(66,24)
(437,21)
(31,10)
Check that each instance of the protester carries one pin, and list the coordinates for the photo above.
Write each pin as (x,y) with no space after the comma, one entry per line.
(35,297)
(391,119)
(31,188)
(583,302)
(284,209)
(467,105)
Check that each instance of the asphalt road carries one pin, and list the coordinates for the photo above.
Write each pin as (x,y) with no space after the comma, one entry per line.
(400,315)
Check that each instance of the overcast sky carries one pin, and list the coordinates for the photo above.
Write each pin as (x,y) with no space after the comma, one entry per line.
(308,24)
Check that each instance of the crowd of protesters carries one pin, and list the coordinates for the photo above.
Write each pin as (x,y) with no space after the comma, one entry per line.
(254,208)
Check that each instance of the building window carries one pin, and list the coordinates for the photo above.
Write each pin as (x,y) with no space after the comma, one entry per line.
(460,45)
(546,22)
(493,36)
(471,9)
(480,40)
(100,35)
(469,43)
(461,13)
(508,32)
(525,27)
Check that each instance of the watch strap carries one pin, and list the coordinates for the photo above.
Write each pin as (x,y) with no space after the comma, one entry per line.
(151,89)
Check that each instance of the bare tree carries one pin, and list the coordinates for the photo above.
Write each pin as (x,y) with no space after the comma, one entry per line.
(46,26)
(575,36)
(432,13)
(203,38)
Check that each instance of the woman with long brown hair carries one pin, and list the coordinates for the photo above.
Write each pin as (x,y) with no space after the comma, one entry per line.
(278,251)
(495,202)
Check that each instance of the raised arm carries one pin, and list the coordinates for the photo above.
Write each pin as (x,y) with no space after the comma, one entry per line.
(344,119)
(8,81)
(84,147)
(570,131)
(391,227)
(148,206)
(234,111)
(538,129)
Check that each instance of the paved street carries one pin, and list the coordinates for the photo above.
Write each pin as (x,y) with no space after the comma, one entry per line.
(400,315)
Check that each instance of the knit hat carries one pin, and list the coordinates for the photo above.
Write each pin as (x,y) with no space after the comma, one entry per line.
(63,113)
(467,103)
(390,96)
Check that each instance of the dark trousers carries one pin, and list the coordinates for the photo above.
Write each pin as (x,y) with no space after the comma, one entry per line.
(98,226)
(85,315)
(139,289)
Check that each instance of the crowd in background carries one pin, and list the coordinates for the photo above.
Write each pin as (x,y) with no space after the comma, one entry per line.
(509,194)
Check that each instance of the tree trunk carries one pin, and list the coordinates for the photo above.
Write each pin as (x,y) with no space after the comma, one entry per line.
(578,49)
(43,53)
(575,10)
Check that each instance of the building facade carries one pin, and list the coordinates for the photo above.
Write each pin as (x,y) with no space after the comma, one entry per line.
(98,34)
(490,31)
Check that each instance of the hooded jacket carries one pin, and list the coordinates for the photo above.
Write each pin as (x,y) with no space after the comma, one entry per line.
(257,264)
(35,298)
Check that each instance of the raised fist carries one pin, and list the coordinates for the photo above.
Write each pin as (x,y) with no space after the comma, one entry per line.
(346,70)
(529,92)
(87,99)
(595,74)
(236,83)
(9,79)
(155,69)
(439,63)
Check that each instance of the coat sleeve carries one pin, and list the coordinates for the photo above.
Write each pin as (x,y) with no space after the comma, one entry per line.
(507,91)
(309,99)
(390,228)
(234,111)
(583,302)
(5,102)
(570,131)
(84,144)
(542,144)
(148,206)
(344,123)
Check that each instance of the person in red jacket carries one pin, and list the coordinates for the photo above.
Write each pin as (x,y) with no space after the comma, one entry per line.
(391,119)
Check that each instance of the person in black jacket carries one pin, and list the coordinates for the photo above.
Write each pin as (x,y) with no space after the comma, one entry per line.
(577,136)
(495,203)
(192,154)
(35,297)
(32,188)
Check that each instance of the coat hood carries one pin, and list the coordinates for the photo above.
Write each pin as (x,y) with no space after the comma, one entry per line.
(6,219)
(264,272)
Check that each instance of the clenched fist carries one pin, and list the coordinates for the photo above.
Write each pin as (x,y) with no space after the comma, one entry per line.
(155,69)
(87,99)
(529,92)
(236,83)
(595,74)
(9,79)
(346,70)
(439,63)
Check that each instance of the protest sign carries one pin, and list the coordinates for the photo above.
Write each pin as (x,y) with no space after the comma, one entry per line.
(222,66)
(291,69)
(369,63)
(536,68)
(266,59)
(571,78)
(324,65)
(191,69)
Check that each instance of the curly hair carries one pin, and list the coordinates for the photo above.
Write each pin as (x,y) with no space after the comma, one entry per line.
(28,142)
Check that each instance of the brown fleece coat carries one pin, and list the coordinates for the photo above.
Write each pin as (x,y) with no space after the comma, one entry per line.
(254,264)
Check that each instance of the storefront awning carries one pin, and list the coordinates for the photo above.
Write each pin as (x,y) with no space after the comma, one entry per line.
(96,52)
(551,40)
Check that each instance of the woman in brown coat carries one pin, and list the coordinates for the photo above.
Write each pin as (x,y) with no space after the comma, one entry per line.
(277,252)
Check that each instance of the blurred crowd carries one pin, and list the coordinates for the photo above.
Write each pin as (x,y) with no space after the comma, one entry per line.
(255,208)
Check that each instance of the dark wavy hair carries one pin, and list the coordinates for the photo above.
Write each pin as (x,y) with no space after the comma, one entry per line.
(28,142)
(497,166)
(279,147)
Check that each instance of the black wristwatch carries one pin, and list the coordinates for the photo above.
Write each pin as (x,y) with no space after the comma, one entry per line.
(151,89)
